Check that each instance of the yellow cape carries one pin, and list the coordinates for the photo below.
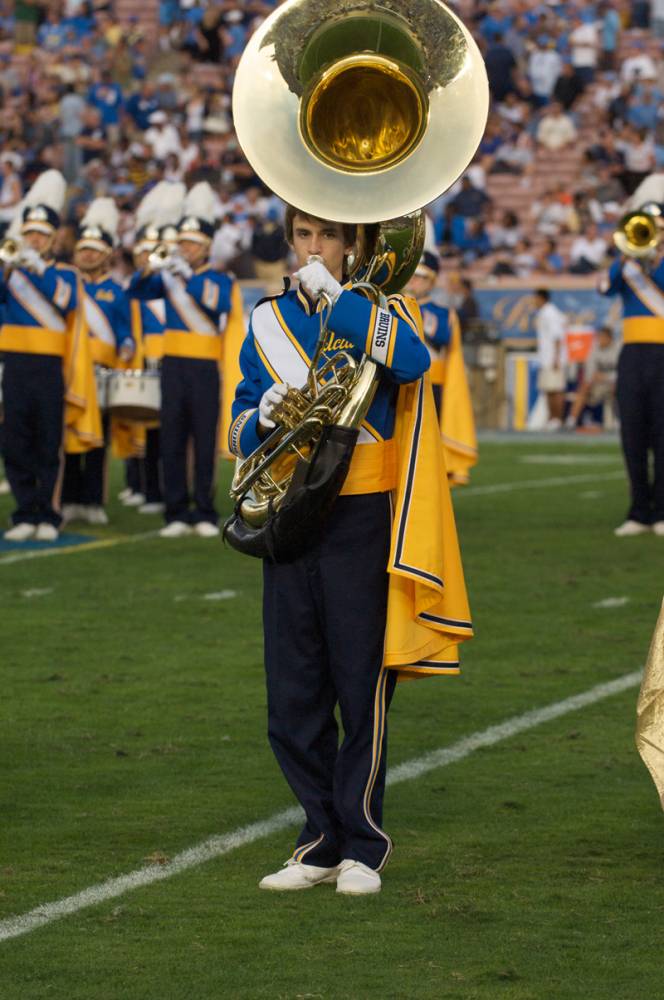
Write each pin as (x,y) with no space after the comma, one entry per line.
(457,423)
(231,374)
(427,609)
(650,710)
(127,436)
(83,429)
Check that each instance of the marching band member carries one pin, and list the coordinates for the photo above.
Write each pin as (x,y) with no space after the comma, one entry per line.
(157,214)
(107,316)
(640,386)
(341,619)
(198,300)
(47,382)
(442,334)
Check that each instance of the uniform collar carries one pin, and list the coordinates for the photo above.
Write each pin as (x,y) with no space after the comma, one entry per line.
(307,303)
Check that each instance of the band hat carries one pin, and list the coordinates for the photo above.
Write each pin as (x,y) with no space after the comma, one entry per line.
(99,226)
(428,266)
(169,233)
(157,215)
(40,209)
(146,238)
(199,206)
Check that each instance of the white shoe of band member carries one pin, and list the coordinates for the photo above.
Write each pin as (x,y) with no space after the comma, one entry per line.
(658,528)
(46,532)
(134,500)
(151,508)
(295,875)
(72,512)
(5,488)
(124,494)
(357,879)
(205,529)
(631,528)
(176,529)
(96,515)
(20,532)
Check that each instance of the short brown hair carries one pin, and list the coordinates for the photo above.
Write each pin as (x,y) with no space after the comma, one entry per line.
(349,228)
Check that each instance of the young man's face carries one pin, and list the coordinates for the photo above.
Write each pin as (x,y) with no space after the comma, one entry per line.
(40,242)
(89,260)
(419,286)
(324,239)
(194,253)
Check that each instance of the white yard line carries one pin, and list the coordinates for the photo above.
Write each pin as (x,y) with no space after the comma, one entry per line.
(216,847)
(527,484)
(537,484)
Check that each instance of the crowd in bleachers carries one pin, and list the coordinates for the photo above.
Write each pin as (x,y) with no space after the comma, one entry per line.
(120,97)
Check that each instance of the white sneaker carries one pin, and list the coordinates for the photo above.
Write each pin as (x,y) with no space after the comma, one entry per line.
(357,879)
(176,529)
(20,532)
(5,488)
(46,532)
(134,500)
(124,494)
(151,508)
(95,514)
(658,528)
(295,875)
(205,529)
(631,528)
(554,424)
(71,512)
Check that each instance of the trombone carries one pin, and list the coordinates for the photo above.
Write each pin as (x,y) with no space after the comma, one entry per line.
(638,234)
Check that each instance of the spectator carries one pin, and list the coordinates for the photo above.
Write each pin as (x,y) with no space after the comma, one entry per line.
(588,251)
(504,230)
(568,87)
(525,260)
(72,119)
(638,151)
(600,373)
(106,96)
(270,251)
(470,201)
(556,129)
(142,103)
(544,68)
(548,260)
(610,27)
(549,215)
(584,46)
(92,139)
(550,328)
(161,136)
(500,65)
(467,309)
(10,186)
(638,65)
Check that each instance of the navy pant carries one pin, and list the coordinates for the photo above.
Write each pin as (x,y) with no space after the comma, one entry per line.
(640,396)
(84,479)
(33,392)
(189,414)
(324,619)
(143,475)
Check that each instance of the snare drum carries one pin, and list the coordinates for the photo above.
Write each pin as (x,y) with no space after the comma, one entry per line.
(135,395)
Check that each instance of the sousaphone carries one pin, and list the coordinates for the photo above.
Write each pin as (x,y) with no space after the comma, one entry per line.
(359,112)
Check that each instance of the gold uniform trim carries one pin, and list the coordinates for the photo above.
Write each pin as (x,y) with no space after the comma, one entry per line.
(643,330)
(192,345)
(32,340)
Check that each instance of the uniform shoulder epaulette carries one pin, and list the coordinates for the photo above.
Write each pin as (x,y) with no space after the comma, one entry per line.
(279,295)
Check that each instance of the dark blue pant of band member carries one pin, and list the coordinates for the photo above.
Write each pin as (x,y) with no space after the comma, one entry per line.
(33,392)
(143,475)
(84,479)
(189,414)
(324,620)
(640,395)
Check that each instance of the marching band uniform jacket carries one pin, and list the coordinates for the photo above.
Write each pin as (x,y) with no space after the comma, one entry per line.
(399,450)
(640,385)
(107,316)
(442,333)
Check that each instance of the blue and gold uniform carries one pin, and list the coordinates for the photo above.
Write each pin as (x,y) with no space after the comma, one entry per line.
(106,310)
(640,385)
(334,628)
(45,385)
(147,327)
(196,308)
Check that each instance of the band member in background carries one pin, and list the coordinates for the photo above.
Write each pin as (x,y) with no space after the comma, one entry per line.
(47,380)
(198,300)
(329,636)
(157,216)
(442,334)
(106,310)
(640,387)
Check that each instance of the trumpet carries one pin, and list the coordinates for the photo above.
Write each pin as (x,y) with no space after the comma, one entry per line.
(638,234)
(160,257)
(10,251)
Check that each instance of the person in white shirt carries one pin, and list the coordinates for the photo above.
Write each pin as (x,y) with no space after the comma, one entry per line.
(638,65)
(544,68)
(550,327)
(556,129)
(588,251)
(162,137)
(584,45)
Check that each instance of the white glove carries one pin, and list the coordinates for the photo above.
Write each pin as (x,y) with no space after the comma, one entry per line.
(178,265)
(269,400)
(317,279)
(32,260)
(126,350)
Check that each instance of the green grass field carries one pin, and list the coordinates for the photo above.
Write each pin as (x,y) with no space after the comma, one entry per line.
(133,728)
